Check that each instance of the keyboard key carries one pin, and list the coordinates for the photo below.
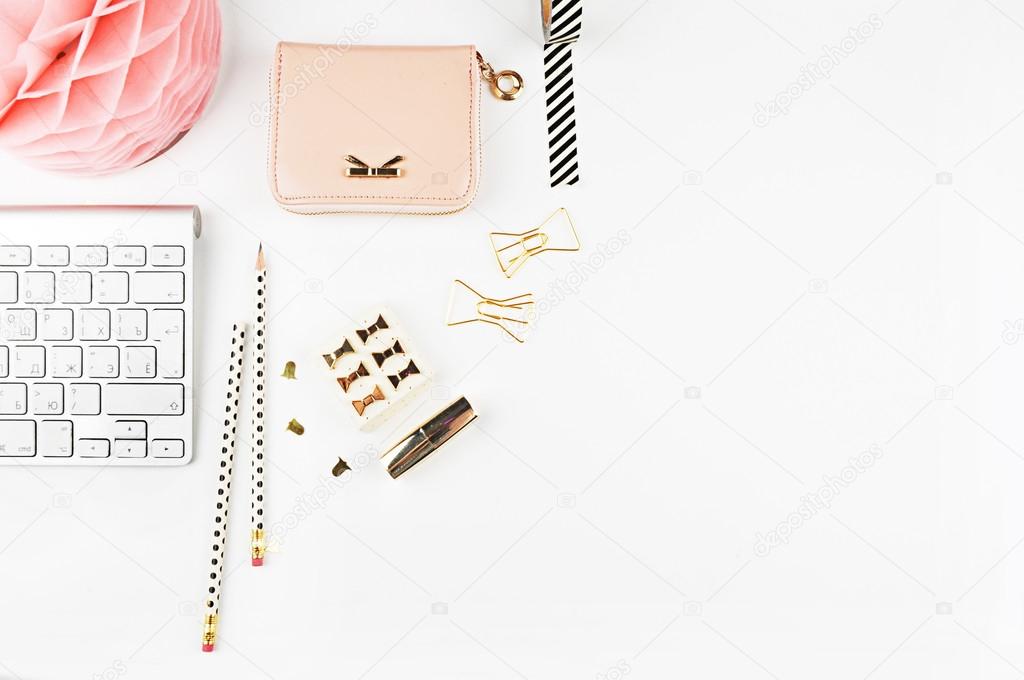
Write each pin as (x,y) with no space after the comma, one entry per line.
(130,429)
(93,448)
(66,361)
(47,399)
(15,256)
(130,448)
(167,327)
(168,448)
(74,287)
(140,362)
(57,324)
(55,438)
(17,438)
(89,256)
(158,287)
(102,362)
(37,287)
(128,256)
(130,324)
(29,361)
(141,399)
(13,400)
(167,256)
(18,324)
(85,399)
(111,287)
(94,324)
(5,361)
(8,287)
(53,256)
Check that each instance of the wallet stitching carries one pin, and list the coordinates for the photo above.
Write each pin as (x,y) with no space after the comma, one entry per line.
(277,117)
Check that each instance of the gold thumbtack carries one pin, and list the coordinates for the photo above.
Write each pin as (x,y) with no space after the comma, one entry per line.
(296,427)
(340,468)
(289,370)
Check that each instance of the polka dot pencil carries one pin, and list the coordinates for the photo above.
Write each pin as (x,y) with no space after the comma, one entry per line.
(258,367)
(227,456)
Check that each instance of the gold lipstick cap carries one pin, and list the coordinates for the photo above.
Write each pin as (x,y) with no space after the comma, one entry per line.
(428,437)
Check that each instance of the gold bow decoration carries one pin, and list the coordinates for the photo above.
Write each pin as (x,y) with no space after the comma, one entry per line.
(411,369)
(381,357)
(362,169)
(334,357)
(378,325)
(360,405)
(346,381)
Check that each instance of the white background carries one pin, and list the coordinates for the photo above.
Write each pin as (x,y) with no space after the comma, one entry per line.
(794,292)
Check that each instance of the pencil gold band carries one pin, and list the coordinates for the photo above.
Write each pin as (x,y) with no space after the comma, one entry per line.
(209,630)
(259,544)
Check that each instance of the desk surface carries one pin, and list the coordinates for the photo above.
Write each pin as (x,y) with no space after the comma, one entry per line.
(768,423)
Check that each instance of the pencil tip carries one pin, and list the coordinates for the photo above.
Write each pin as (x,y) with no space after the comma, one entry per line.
(261,262)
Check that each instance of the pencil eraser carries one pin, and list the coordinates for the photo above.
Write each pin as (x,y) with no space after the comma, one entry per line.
(207,648)
(257,561)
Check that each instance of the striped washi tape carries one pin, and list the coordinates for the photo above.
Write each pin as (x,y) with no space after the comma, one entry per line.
(563,21)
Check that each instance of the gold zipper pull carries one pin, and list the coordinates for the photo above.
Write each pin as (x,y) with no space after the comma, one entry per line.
(501,80)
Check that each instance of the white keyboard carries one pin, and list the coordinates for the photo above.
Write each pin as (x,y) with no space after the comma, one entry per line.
(96,335)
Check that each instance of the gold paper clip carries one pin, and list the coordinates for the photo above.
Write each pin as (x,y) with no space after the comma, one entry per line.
(529,243)
(506,313)
(364,170)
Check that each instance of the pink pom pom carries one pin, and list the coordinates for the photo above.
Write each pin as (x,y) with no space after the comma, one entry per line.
(93,86)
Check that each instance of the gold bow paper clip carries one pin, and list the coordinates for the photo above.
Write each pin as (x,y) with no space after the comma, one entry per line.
(513,250)
(505,313)
(362,169)
(361,404)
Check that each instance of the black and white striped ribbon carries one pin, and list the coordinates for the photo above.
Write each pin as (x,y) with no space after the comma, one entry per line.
(563,21)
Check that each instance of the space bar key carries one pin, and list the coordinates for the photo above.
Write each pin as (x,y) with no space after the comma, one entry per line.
(140,399)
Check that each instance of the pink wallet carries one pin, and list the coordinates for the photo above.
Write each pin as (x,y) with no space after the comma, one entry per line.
(378,128)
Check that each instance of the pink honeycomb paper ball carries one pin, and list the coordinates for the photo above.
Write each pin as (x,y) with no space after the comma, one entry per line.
(96,86)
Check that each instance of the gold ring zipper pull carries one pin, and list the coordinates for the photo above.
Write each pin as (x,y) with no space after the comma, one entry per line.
(506,85)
